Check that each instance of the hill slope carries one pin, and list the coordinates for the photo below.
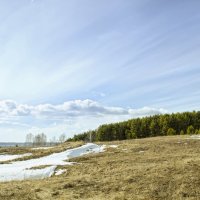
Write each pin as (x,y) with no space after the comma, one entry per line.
(153,168)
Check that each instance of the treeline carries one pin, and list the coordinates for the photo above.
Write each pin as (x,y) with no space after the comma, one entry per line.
(41,139)
(157,125)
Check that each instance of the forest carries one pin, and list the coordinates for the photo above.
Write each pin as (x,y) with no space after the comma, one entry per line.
(157,125)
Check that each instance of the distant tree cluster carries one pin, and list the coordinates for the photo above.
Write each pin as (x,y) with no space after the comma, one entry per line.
(36,140)
(157,125)
(41,139)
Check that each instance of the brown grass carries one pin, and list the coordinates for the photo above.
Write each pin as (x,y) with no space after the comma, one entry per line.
(153,168)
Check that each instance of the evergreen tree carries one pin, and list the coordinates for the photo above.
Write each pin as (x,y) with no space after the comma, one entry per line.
(190,130)
(157,125)
(171,131)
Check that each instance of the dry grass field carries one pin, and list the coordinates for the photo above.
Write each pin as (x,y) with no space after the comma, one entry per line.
(152,168)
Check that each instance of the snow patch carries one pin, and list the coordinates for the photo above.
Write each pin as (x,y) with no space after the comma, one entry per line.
(196,137)
(7,157)
(60,171)
(38,148)
(141,151)
(21,170)
(113,146)
(109,146)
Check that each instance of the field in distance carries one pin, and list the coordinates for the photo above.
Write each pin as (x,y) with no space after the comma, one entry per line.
(151,168)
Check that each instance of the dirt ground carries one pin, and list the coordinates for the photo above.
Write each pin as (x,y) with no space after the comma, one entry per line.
(152,168)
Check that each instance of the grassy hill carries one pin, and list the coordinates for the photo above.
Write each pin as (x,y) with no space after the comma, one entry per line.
(153,168)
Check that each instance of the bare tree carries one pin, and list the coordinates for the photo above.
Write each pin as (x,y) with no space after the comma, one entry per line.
(53,140)
(29,138)
(43,139)
(62,138)
(40,139)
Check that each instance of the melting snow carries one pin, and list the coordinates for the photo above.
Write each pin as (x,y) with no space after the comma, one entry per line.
(197,137)
(38,148)
(21,170)
(7,157)
(109,146)
(141,151)
(113,146)
(60,171)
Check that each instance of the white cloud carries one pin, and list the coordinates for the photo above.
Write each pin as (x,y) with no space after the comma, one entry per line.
(146,111)
(12,108)
(70,109)
(70,117)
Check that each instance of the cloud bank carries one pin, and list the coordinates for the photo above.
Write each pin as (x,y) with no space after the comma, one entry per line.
(69,117)
(71,109)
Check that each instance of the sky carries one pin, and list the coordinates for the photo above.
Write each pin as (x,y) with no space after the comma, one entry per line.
(67,66)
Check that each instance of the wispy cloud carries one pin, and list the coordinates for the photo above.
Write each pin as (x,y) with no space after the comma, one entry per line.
(121,54)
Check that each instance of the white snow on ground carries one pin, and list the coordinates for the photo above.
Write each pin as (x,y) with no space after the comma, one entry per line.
(20,170)
(60,171)
(7,157)
(113,146)
(196,137)
(38,148)
(109,146)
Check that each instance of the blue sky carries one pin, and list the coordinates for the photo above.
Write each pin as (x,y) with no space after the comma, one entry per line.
(67,66)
